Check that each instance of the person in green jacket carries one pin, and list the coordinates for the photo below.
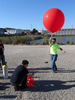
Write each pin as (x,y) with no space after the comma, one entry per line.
(53,51)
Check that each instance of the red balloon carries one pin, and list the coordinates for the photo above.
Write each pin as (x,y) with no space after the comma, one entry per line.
(30,81)
(53,19)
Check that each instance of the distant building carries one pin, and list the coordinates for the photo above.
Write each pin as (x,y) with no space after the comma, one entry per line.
(10,30)
(26,31)
(67,31)
(44,31)
(13,31)
(2,31)
(19,30)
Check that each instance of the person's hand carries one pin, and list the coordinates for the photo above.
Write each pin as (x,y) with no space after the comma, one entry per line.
(30,74)
(52,35)
(64,51)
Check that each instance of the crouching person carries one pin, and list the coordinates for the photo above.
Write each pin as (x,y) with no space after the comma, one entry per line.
(19,76)
(2,57)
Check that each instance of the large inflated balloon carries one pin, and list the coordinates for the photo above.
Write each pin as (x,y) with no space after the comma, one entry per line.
(53,19)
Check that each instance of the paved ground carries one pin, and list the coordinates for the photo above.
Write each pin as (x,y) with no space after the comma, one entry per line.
(48,85)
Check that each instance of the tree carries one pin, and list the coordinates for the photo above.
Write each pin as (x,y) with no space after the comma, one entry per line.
(18,34)
(39,33)
(15,33)
(23,33)
(34,31)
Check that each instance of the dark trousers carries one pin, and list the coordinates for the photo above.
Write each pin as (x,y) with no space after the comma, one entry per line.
(2,58)
(22,83)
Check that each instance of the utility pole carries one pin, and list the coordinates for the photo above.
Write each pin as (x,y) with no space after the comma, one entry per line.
(72,26)
(42,30)
(31,27)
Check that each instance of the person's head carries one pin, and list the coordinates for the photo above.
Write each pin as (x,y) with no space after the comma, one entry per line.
(54,40)
(25,63)
(0,41)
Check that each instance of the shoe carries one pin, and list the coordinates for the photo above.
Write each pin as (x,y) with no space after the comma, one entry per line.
(54,71)
(16,88)
(24,87)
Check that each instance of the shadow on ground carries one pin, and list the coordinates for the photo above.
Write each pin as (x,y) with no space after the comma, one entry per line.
(8,96)
(1,77)
(11,68)
(50,85)
(10,71)
(66,71)
(4,86)
(41,70)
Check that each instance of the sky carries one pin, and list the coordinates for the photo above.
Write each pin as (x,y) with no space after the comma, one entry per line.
(28,14)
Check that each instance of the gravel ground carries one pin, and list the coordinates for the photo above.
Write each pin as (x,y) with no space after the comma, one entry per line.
(48,85)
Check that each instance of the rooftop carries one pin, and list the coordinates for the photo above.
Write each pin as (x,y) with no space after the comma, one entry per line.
(10,29)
